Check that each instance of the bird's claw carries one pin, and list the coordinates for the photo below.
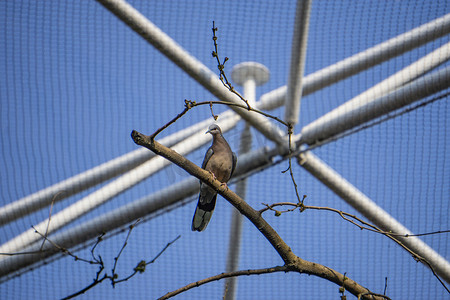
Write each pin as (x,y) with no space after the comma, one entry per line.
(212,174)
(224,186)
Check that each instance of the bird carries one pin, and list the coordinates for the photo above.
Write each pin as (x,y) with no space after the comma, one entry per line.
(221,162)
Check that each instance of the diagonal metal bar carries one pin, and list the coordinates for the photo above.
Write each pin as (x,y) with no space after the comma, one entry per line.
(362,61)
(189,64)
(297,65)
(372,211)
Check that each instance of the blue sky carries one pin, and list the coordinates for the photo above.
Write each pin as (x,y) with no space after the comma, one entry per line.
(76,81)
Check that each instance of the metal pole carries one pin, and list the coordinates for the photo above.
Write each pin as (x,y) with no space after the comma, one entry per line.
(297,65)
(372,211)
(234,242)
(362,61)
(248,75)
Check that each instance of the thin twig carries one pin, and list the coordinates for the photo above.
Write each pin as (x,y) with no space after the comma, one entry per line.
(162,251)
(90,286)
(190,104)
(50,217)
(221,65)
(187,106)
(212,112)
(291,173)
(116,259)
(194,103)
(99,239)
(344,215)
(141,266)
(62,249)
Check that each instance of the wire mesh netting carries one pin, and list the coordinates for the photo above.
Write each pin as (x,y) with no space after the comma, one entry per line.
(76,80)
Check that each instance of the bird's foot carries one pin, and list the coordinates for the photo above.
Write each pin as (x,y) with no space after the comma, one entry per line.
(212,174)
(224,187)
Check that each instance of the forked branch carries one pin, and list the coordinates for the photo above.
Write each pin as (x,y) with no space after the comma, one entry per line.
(291,261)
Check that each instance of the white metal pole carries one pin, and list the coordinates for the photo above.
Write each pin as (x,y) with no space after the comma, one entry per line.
(248,75)
(372,211)
(111,190)
(365,109)
(297,65)
(234,240)
(189,64)
(362,61)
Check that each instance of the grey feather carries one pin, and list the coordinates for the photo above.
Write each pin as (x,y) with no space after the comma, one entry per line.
(221,161)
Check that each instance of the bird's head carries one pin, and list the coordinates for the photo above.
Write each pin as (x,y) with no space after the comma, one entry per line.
(214,129)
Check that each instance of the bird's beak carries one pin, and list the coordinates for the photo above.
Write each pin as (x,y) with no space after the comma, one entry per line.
(209,131)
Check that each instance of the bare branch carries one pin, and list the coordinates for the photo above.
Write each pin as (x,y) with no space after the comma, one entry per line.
(292,261)
(85,289)
(221,66)
(291,173)
(225,275)
(187,106)
(141,266)
(62,249)
(194,103)
(50,216)
(116,259)
(365,225)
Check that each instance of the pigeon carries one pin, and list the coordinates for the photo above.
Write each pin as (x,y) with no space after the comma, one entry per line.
(221,162)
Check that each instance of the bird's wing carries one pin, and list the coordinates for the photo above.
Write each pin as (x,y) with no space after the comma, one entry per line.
(206,200)
(234,163)
(208,155)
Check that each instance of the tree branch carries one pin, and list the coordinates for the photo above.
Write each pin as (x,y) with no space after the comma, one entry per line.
(222,276)
(292,262)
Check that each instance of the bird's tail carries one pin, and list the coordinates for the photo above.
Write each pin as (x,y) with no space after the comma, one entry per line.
(203,214)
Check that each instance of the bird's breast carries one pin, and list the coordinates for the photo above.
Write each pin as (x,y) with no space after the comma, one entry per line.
(220,166)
